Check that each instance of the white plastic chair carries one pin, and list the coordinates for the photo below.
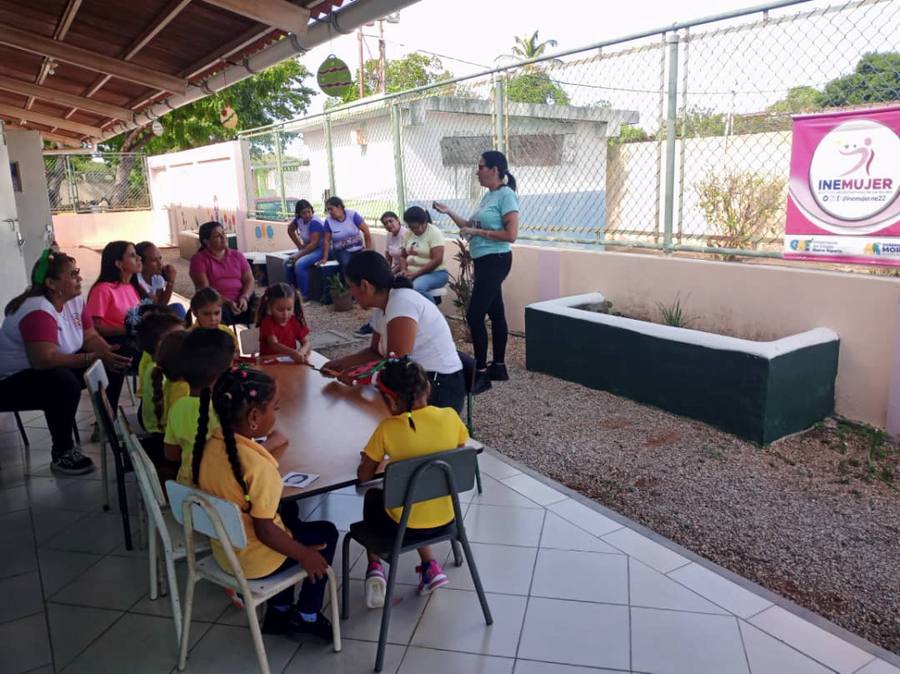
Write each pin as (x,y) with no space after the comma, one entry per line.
(95,378)
(221,520)
(248,342)
(161,523)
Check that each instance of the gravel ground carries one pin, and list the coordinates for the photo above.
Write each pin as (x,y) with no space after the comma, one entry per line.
(814,517)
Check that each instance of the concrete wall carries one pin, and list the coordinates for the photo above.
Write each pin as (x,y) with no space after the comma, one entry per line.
(33,202)
(98,229)
(755,301)
(191,187)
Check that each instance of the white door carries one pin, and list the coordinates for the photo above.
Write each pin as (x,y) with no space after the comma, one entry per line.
(13,277)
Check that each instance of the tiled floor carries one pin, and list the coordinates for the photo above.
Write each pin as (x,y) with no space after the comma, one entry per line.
(572,588)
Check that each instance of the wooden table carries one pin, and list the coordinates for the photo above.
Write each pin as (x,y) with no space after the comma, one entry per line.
(327,424)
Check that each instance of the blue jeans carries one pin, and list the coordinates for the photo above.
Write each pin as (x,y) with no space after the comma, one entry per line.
(430,281)
(343,257)
(297,272)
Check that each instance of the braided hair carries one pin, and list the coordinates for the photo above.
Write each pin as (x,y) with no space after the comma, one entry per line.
(406,380)
(168,355)
(235,393)
(278,291)
(205,355)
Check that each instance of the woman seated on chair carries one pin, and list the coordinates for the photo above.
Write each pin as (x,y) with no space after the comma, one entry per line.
(227,271)
(46,343)
(423,253)
(403,323)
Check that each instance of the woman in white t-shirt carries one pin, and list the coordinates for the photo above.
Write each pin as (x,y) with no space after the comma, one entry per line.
(157,279)
(404,323)
(46,342)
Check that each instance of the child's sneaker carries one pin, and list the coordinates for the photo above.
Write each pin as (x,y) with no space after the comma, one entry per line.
(431,577)
(236,600)
(375,585)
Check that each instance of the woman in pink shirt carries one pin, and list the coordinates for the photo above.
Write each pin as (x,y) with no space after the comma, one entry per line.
(226,271)
(116,293)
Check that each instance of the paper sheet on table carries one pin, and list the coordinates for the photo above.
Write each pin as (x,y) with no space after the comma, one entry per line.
(299,480)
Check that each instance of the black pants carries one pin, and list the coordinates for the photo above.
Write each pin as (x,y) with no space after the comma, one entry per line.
(447,390)
(246,317)
(312,594)
(376,516)
(56,392)
(487,299)
(129,349)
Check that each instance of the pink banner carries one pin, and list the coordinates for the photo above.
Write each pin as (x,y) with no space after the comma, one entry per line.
(844,198)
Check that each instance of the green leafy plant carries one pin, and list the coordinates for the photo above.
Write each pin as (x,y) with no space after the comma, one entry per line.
(461,283)
(336,284)
(673,314)
(745,208)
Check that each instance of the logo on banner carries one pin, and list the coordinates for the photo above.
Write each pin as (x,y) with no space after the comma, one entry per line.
(853,174)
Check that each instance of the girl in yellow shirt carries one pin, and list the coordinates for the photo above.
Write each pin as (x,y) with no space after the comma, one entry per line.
(233,466)
(415,429)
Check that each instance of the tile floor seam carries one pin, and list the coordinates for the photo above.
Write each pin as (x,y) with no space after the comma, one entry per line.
(21,617)
(628,596)
(102,557)
(530,588)
(790,646)
(795,648)
(743,645)
(587,668)
(856,671)
(40,578)
(687,563)
(92,641)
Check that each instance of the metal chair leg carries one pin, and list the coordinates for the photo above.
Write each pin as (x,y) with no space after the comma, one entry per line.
(476,580)
(457,553)
(386,613)
(345,577)
(22,430)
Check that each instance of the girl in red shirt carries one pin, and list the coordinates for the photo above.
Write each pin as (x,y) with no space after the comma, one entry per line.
(282,324)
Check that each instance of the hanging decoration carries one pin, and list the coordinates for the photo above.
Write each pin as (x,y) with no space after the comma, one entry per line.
(334,76)
(228,117)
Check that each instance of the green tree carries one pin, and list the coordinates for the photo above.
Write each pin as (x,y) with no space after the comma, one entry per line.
(530,47)
(277,93)
(409,72)
(535,86)
(876,79)
(798,99)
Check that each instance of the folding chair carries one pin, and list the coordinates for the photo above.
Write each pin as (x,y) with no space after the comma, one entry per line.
(468,364)
(161,523)
(221,520)
(97,382)
(405,483)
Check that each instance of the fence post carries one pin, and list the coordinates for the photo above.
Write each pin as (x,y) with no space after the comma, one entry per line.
(329,156)
(499,113)
(671,114)
(396,126)
(70,182)
(279,166)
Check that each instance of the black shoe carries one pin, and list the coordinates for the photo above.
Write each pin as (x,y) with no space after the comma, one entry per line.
(72,462)
(497,372)
(291,622)
(364,330)
(482,382)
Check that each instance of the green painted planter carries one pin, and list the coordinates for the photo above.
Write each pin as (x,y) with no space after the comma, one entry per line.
(760,391)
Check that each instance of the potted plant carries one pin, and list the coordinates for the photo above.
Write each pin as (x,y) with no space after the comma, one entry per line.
(340,294)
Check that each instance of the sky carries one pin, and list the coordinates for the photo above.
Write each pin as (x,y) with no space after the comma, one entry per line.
(476,31)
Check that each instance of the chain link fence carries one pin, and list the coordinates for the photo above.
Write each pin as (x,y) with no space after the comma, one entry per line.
(676,140)
(98,182)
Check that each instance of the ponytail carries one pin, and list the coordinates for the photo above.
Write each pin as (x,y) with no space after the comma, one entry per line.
(156,378)
(403,381)
(497,160)
(401,282)
(234,461)
(202,430)
(511,181)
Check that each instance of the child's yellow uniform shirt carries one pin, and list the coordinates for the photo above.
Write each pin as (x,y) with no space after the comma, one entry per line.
(145,391)
(437,429)
(181,430)
(145,368)
(264,487)
(173,391)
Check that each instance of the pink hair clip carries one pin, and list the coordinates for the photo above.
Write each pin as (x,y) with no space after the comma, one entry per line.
(253,393)
(228,395)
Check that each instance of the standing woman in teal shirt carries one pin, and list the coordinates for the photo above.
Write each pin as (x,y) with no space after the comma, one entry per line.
(492,231)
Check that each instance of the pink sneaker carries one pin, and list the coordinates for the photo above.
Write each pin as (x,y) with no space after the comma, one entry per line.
(432,577)
(375,585)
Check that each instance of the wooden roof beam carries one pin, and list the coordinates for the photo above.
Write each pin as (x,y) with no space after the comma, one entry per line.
(59,138)
(49,120)
(65,22)
(62,98)
(38,44)
(279,14)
